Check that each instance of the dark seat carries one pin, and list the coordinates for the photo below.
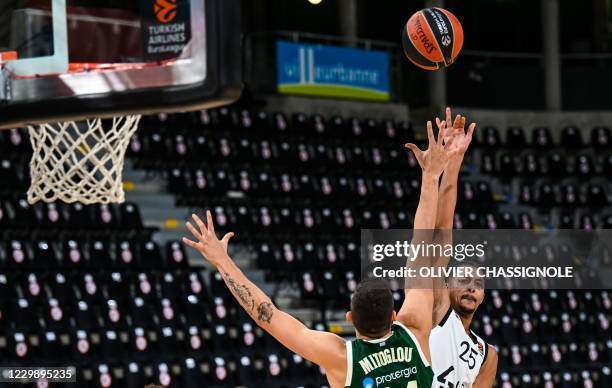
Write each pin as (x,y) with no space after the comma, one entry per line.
(134,375)
(541,138)
(515,137)
(600,137)
(571,137)
(176,255)
(490,137)
(142,314)
(130,216)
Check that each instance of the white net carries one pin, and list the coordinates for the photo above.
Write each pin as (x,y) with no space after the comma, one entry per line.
(80,161)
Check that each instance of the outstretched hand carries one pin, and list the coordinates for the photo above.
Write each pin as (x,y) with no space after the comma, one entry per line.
(434,160)
(213,249)
(456,136)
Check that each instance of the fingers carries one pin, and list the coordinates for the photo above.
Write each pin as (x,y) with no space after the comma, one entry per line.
(418,154)
(471,129)
(194,231)
(448,117)
(200,224)
(456,122)
(190,243)
(430,134)
(412,147)
(442,133)
(227,237)
(438,123)
(211,225)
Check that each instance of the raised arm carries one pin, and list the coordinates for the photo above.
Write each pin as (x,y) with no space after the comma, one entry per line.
(324,349)
(486,376)
(447,200)
(457,139)
(416,312)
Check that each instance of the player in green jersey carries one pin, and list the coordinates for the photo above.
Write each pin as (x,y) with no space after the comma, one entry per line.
(391,350)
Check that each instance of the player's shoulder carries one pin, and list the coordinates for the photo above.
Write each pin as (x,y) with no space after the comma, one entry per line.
(491,354)
(411,335)
(445,318)
(399,327)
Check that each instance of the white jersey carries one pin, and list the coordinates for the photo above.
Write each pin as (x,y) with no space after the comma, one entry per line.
(456,357)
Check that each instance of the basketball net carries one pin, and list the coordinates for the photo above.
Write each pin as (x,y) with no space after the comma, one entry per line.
(80,161)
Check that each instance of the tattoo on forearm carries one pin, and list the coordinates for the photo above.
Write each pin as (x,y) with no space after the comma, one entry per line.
(241,292)
(265,310)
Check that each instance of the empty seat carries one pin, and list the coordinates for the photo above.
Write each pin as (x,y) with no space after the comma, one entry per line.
(541,137)
(490,137)
(600,137)
(515,137)
(571,137)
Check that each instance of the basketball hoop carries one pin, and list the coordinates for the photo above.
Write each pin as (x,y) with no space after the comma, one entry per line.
(80,161)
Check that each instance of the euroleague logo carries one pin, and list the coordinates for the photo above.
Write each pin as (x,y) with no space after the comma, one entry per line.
(165,10)
(446,40)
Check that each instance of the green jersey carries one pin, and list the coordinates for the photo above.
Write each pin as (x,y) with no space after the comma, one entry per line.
(394,361)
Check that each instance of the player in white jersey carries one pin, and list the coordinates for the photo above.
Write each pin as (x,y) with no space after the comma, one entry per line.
(460,359)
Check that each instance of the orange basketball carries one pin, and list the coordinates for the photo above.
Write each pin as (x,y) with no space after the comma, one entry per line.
(432,39)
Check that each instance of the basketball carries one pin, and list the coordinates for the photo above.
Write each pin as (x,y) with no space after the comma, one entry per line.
(432,38)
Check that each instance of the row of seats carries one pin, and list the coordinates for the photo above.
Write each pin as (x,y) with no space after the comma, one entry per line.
(308,152)
(96,287)
(542,138)
(552,165)
(566,195)
(264,123)
(319,217)
(553,355)
(502,329)
(275,370)
(312,153)
(588,377)
(86,253)
(114,342)
(246,121)
(265,183)
(330,217)
(550,301)
(268,183)
(18,213)
(261,124)
(272,183)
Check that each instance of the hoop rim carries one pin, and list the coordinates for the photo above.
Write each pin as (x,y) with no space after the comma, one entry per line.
(81,67)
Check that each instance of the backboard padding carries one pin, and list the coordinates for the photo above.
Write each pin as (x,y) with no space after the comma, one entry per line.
(206,72)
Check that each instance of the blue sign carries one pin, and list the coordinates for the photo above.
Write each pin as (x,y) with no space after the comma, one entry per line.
(318,70)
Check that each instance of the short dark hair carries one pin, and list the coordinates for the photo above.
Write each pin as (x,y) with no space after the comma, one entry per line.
(372,307)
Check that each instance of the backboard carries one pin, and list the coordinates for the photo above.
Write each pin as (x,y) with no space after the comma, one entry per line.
(77,59)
